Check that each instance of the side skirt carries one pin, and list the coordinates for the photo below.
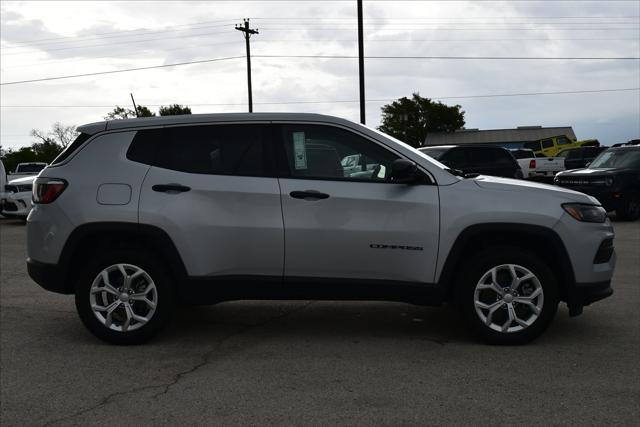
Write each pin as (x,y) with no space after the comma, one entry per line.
(210,290)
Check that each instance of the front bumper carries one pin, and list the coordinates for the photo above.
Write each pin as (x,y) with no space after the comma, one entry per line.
(49,276)
(16,204)
(583,294)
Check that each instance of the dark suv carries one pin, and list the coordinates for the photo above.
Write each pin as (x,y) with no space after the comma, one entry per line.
(613,178)
(482,159)
(579,157)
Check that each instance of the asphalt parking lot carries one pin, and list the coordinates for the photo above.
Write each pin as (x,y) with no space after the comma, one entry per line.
(316,362)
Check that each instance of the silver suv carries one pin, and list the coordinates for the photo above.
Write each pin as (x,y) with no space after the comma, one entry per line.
(138,215)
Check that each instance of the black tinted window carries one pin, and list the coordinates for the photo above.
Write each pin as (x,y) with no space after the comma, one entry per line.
(455,158)
(214,149)
(491,156)
(144,146)
(547,143)
(71,148)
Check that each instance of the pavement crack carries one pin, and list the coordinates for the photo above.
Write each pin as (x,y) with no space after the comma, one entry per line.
(206,358)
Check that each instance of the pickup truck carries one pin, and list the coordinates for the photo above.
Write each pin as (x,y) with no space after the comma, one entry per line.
(26,169)
(537,165)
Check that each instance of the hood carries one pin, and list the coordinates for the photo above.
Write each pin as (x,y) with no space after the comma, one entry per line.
(592,172)
(519,185)
(23,180)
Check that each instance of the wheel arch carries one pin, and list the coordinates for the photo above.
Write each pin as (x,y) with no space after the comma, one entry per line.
(86,238)
(542,241)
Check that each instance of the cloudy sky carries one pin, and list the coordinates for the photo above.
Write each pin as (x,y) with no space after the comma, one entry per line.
(51,39)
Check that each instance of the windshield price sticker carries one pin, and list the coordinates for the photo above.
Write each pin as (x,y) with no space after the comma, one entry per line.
(299,151)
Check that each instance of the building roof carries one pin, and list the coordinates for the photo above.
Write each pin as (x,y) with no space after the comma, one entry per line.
(519,134)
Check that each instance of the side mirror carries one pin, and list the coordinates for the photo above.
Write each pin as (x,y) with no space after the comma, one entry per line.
(404,171)
(586,165)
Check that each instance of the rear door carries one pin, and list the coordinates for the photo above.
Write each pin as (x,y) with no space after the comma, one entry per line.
(344,224)
(212,189)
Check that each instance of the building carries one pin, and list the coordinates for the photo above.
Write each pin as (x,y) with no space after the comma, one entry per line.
(510,138)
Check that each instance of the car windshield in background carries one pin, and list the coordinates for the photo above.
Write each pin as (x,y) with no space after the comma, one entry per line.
(435,153)
(30,168)
(617,159)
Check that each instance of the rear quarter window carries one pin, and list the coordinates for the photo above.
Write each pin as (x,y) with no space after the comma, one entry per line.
(71,148)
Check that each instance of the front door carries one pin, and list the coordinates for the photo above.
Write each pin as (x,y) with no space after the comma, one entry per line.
(351,223)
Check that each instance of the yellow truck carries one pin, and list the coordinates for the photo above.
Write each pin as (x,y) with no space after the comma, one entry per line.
(549,147)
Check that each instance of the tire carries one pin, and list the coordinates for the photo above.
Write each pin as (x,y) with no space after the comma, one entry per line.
(629,209)
(529,309)
(148,303)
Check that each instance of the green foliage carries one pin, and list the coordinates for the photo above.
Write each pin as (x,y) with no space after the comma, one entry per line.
(410,119)
(126,113)
(174,110)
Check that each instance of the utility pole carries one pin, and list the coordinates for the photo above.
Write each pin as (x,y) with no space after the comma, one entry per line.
(361,62)
(247,34)
(135,109)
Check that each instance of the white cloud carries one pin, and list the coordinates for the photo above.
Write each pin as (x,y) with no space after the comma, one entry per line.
(157,34)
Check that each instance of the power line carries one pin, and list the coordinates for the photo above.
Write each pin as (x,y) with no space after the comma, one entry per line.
(516,58)
(122,71)
(499,95)
(126,31)
(118,43)
(47,44)
(537,58)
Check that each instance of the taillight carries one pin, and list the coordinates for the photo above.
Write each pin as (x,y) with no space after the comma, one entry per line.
(46,190)
(532,164)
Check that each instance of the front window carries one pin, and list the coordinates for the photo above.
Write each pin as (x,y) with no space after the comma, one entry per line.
(617,159)
(326,152)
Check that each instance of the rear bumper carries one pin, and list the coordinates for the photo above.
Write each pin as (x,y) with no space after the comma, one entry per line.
(49,276)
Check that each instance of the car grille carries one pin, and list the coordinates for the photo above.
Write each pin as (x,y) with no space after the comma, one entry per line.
(577,182)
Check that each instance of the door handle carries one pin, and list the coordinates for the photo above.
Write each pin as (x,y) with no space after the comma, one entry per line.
(309,195)
(167,188)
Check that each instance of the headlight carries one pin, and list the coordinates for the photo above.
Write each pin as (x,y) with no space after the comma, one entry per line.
(585,213)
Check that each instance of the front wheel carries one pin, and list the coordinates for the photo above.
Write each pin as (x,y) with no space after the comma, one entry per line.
(508,296)
(124,297)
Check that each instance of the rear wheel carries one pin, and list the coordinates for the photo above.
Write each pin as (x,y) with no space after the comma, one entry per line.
(629,209)
(508,296)
(124,297)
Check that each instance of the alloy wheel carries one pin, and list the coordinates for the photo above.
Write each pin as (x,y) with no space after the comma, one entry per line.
(508,298)
(123,297)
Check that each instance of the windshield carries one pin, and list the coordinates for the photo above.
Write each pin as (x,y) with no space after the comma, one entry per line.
(436,153)
(30,168)
(622,158)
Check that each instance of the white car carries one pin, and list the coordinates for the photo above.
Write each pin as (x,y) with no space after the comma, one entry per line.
(17,197)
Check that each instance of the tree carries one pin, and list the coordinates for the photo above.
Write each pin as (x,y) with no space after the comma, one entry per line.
(59,134)
(410,119)
(174,110)
(126,113)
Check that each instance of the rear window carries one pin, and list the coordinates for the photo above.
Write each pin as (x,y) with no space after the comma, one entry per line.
(71,148)
(547,143)
(30,168)
(434,153)
(495,156)
(522,154)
